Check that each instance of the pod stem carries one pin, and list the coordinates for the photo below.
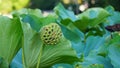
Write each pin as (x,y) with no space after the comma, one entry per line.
(39,57)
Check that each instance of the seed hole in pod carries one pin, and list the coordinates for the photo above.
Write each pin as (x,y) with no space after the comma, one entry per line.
(58,34)
(52,29)
(44,36)
(46,39)
(49,32)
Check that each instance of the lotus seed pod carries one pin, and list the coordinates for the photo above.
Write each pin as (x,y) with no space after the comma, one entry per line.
(51,34)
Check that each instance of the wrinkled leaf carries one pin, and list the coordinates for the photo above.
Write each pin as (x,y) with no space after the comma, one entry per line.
(59,53)
(91,18)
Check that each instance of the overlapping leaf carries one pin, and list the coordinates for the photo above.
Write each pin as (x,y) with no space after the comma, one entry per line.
(63,13)
(66,18)
(91,18)
(114,18)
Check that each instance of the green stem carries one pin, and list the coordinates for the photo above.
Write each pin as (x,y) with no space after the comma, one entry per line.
(39,57)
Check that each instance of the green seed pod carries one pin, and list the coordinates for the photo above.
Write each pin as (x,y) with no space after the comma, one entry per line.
(51,34)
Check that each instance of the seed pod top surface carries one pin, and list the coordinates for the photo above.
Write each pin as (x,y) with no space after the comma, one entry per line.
(51,34)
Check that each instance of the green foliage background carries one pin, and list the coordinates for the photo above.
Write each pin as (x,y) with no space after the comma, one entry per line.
(85,42)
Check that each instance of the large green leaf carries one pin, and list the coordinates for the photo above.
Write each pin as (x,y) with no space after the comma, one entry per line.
(110,9)
(63,13)
(37,22)
(66,18)
(31,46)
(33,21)
(34,17)
(10,37)
(73,35)
(87,22)
(91,18)
(93,59)
(93,43)
(3,63)
(114,51)
(37,54)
